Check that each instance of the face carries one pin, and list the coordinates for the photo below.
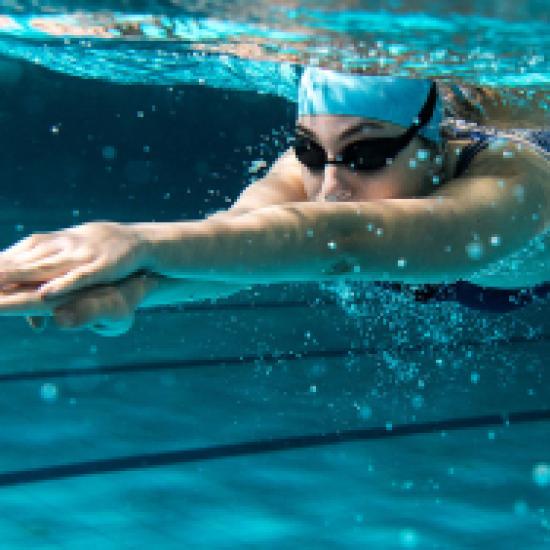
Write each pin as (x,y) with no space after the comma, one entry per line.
(409,175)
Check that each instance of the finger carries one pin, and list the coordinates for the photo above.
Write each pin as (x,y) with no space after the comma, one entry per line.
(46,268)
(76,279)
(36,273)
(92,313)
(14,288)
(24,245)
(86,308)
(38,263)
(78,314)
(37,253)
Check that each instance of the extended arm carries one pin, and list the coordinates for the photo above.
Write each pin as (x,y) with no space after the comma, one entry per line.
(444,237)
(474,221)
(282,184)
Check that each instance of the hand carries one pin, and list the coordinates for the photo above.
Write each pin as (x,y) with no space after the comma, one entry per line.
(107,310)
(71,259)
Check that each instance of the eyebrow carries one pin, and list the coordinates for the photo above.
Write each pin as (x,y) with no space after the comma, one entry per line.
(359,127)
(346,133)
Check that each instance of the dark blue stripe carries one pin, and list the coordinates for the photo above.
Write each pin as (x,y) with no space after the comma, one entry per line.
(170,458)
(185,364)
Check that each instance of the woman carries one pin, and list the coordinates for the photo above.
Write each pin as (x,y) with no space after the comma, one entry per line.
(370,191)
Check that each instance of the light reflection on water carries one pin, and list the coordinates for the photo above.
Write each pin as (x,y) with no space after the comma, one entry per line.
(256,45)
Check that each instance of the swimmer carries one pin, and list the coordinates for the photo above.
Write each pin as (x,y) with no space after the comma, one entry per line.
(371,190)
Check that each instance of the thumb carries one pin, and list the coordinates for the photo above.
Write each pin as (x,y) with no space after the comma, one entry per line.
(105,314)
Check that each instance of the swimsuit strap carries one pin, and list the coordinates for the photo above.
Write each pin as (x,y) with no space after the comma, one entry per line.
(538,138)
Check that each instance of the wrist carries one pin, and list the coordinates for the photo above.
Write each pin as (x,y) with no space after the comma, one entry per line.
(167,247)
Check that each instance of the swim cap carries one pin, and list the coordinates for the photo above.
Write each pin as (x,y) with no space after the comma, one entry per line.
(385,98)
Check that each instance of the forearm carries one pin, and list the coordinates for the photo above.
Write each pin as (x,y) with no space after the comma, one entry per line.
(267,245)
(409,240)
(308,242)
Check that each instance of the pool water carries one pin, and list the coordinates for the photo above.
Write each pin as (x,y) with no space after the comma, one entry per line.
(369,420)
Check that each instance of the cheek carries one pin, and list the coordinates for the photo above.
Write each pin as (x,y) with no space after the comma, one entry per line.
(378,186)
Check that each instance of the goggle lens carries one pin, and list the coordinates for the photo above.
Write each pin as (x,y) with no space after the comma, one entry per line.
(364,155)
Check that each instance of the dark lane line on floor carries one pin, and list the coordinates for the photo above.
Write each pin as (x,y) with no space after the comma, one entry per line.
(216,452)
(183,364)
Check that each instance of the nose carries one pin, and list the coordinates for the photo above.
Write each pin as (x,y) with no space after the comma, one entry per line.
(332,187)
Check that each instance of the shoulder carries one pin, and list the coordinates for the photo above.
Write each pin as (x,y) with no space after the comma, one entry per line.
(504,159)
(282,184)
(284,178)
(286,166)
(509,156)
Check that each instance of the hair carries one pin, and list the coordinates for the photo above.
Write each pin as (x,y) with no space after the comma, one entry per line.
(463,109)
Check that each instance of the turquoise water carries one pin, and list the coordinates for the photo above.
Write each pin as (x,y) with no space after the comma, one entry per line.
(293,416)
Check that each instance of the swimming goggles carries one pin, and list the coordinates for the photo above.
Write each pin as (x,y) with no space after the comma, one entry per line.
(366,154)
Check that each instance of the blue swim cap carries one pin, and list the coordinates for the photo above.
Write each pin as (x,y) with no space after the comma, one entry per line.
(385,98)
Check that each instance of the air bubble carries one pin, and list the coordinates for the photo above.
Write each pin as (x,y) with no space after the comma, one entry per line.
(474,250)
(408,538)
(519,192)
(541,474)
(48,392)
(417,402)
(364,412)
(256,166)
(495,240)
(109,152)
(422,154)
